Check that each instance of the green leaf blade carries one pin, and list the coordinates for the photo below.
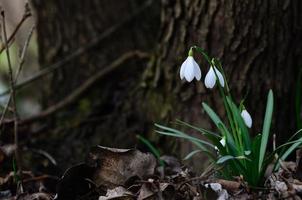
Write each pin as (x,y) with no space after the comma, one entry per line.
(266,128)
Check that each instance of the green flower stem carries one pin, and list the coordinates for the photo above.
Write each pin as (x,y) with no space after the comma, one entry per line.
(220,68)
(202,51)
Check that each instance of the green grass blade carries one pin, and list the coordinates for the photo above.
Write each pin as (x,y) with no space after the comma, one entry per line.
(213,137)
(219,124)
(244,131)
(230,144)
(212,114)
(187,137)
(290,149)
(202,130)
(191,154)
(223,159)
(152,148)
(266,128)
(180,134)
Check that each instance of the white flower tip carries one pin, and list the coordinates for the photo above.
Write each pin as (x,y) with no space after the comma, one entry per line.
(246,118)
(222,141)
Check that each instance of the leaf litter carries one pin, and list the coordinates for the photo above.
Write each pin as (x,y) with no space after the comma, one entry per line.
(126,174)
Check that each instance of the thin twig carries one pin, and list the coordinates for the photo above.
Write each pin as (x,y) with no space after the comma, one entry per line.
(13,95)
(208,171)
(83,88)
(5,110)
(25,16)
(21,62)
(45,154)
(23,53)
(80,51)
(87,84)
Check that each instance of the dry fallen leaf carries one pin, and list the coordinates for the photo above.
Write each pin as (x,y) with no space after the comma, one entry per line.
(115,166)
(35,196)
(117,193)
(145,192)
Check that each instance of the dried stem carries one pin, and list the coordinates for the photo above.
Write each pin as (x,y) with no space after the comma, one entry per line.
(23,53)
(26,14)
(84,86)
(13,95)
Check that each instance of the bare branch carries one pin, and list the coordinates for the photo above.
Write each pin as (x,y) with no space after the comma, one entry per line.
(13,95)
(83,88)
(21,62)
(26,15)
(80,51)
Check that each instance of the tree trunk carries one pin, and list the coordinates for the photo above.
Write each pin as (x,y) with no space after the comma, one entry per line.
(258,43)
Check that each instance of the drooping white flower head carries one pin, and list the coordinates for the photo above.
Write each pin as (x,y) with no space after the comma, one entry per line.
(190,70)
(210,78)
(246,118)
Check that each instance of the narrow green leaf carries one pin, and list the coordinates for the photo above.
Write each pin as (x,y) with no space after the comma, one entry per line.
(191,154)
(224,159)
(230,144)
(180,134)
(199,143)
(212,114)
(238,119)
(290,149)
(266,128)
(287,152)
(199,129)
(186,137)
(154,150)
(219,124)
(213,137)
(229,157)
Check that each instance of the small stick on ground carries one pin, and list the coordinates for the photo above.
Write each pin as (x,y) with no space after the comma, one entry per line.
(13,96)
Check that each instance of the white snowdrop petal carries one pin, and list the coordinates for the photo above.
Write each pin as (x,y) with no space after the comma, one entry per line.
(189,71)
(210,79)
(197,71)
(222,141)
(247,118)
(220,77)
(182,69)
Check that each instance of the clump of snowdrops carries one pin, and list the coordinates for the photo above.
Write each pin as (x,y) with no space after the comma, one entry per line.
(231,147)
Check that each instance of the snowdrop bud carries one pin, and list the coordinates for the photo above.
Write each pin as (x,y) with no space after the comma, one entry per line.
(222,142)
(246,118)
(210,79)
(190,69)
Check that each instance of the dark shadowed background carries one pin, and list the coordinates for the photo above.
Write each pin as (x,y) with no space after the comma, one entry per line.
(117,64)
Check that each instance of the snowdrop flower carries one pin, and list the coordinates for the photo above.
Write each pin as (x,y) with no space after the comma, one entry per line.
(222,142)
(210,79)
(190,69)
(246,118)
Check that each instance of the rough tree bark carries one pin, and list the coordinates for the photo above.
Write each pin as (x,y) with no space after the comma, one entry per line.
(258,43)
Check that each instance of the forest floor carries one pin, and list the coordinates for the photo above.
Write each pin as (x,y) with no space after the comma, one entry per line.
(109,173)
